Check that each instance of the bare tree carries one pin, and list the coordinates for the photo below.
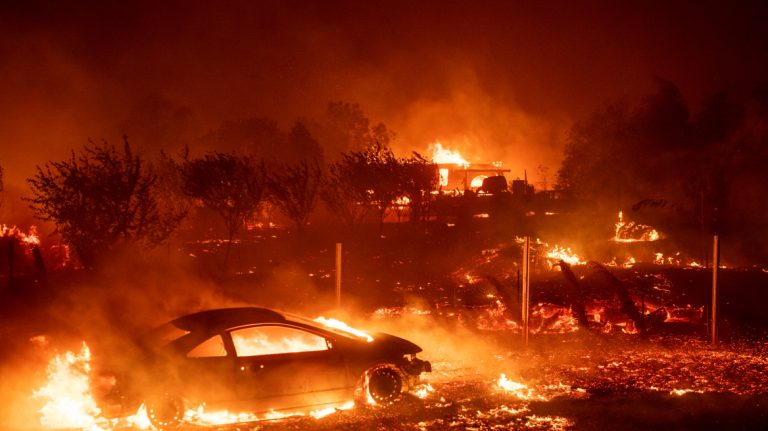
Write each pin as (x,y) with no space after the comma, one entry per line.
(229,184)
(294,189)
(99,199)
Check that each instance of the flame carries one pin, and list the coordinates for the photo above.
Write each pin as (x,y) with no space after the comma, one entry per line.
(681,392)
(517,389)
(477,181)
(442,155)
(565,254)
(200,416)
(29,239)
(630,231)
(424,390)
(341,326)
(69,401)
(140,419)
(402,201)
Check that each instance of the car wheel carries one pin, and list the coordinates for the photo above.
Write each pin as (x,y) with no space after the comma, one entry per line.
(165,412)
(383,385)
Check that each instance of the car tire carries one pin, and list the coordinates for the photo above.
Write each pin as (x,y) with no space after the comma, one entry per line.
(165,412)
(382,385)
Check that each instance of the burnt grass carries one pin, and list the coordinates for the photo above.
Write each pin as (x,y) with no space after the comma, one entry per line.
(413,266)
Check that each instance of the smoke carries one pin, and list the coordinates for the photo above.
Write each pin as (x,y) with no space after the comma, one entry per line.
(502,81)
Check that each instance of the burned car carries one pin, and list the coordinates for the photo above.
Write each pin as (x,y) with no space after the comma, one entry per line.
(259,360)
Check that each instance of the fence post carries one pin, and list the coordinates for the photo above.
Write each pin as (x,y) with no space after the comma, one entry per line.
(715,270)
(337,295)
(526,294)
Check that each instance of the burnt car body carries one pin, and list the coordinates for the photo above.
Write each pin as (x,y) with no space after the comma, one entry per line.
(257,359)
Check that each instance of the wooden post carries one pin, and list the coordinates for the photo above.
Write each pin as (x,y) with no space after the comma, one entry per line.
(526,288)
(338,275)
(715,270)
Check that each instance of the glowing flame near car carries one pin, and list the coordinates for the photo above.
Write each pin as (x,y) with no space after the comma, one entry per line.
(341,326)
(69,401)
(424,390)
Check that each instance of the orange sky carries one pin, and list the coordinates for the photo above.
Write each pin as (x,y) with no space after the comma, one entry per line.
(498,80)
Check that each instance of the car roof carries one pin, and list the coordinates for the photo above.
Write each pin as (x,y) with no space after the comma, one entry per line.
(224,318)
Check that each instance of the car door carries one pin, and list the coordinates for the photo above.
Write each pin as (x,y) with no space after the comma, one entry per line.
(282,367)
(208,372)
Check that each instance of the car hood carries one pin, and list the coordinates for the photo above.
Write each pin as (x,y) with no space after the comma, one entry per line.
(392,344)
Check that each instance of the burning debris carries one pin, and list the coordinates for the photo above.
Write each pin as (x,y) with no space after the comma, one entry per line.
(629,231)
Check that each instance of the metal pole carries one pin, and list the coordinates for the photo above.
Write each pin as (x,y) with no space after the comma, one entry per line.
(526,289)
(338,275)
(715,270)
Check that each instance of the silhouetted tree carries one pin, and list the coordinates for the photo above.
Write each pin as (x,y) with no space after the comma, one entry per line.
(417,177)
(345,128)
(169,188)
(99,199)
(343,197)
(707,167)
(158,122)
(294,189)
(626,153)
(302,145)
(228,184)
(363,180)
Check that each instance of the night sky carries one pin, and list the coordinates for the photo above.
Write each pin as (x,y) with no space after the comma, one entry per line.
(497,80)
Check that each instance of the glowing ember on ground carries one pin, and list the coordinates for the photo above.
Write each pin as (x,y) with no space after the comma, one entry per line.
(558,253)
(341,326)
(200,416)
(517,389)
(424,390)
